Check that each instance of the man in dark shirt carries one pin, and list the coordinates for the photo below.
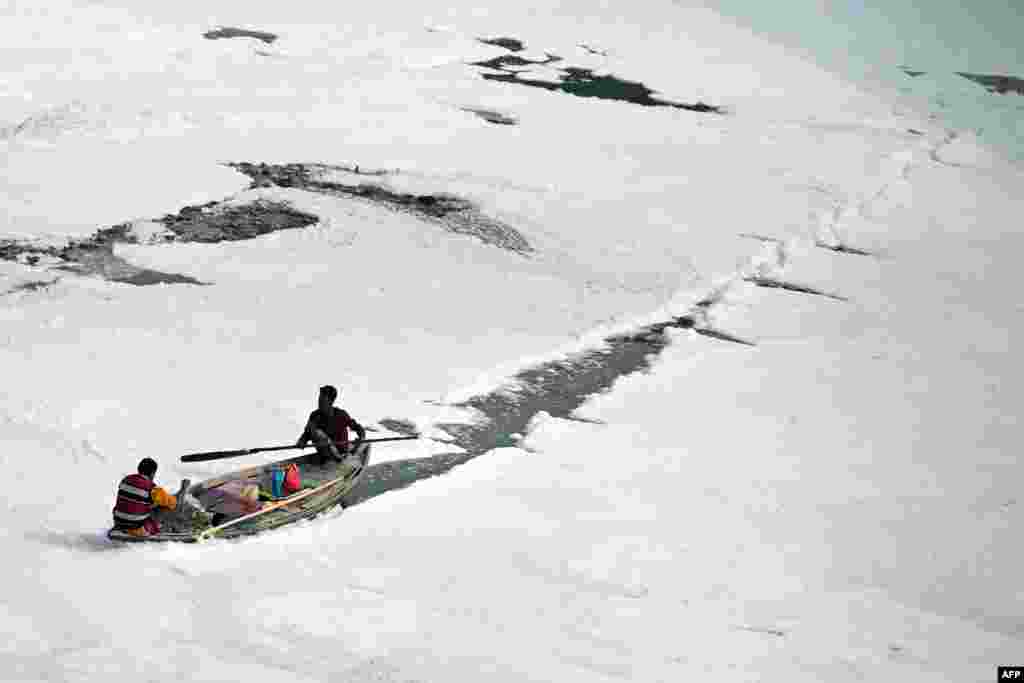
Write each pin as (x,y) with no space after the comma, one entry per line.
(328,428)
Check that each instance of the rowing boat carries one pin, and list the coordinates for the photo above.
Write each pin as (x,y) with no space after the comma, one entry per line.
(323,487)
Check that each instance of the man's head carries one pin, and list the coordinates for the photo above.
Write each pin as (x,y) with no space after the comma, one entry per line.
(147,467)
(328,394)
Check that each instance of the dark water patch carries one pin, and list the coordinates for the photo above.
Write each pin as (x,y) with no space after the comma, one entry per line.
(234,32)
(399,426)
(510,44)
(912,73)
(844,249)
(558,388)
(759,237)
(778,633)
(915,131)
(723,336)
(709,301)
(452,213)
(504,62)
(12,250)
(491,116)
(594,51)
(215,222)
(142,277)
(996,84)
(584,420)
(792,287)
(690,322)
(31,286)
(115,269)
(94,256)
(584,83)
(211,222)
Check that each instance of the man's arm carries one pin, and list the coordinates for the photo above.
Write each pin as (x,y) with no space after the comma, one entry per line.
(360,433)
(163,499)
(306,431)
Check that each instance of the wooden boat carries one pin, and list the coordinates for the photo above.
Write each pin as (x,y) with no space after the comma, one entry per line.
(323,487)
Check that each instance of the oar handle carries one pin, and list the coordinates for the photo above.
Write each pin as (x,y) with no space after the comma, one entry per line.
(390,438)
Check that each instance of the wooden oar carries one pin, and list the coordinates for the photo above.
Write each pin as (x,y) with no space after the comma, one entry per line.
(219,455)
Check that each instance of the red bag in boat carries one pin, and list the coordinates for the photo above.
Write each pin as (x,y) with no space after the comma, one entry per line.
(292,480)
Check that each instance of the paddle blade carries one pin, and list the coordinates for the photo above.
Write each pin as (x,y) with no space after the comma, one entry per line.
(220,455)
(213,455)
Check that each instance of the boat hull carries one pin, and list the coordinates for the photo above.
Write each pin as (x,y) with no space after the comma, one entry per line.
(331,481)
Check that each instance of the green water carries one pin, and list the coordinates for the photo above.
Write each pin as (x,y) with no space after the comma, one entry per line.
(868,41)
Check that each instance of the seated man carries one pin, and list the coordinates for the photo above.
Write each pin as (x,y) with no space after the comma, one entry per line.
(136,497)
(328,428)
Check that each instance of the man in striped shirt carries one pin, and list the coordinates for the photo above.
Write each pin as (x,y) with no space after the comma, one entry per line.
(136,497)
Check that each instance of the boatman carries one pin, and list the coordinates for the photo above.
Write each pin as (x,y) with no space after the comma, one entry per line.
(136,497)
(328,427)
